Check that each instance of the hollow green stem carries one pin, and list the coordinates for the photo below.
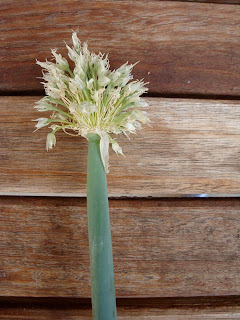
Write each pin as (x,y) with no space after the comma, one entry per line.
(99,233)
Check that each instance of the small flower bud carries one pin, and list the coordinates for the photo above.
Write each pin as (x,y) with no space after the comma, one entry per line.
(116,147)
(42,122)
(76,41)
(62,62)
(51,141)
(130,127)
(103,80)
(90,84)
(87,107)
(72,107)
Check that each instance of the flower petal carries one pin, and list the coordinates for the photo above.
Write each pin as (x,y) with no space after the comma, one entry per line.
(104,149)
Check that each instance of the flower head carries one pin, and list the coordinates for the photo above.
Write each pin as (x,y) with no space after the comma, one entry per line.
(90,98)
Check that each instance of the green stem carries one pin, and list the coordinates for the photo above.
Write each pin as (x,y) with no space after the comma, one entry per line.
(99,233)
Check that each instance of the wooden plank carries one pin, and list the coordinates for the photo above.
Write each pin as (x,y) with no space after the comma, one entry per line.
(191,148)
(211,1)
(123,314)
(180,52)
(141,309)
(162,248)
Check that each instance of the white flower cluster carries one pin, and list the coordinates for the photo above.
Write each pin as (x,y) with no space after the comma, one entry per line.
(90,98)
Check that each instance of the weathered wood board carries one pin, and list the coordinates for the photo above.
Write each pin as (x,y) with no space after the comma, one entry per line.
(175,258)
(210,308)
(192,148)
(183,47)
(162,248)
(123,314)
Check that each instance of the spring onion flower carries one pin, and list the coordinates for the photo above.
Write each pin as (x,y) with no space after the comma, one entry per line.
(92,101)
(90,98)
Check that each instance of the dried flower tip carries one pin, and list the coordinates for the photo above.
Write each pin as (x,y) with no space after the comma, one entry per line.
(51,141)
(116,147)
(42,122)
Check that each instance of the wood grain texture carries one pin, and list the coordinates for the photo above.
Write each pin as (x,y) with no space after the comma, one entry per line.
(123,314)
(234,2)
(200,1)
(209,1)
(184,48)
(128,309)
(192,148)
(162,248)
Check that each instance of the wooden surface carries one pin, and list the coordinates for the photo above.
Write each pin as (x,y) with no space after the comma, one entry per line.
(161,248)
(175,259)
(184,47)
(123,314)
(211,308)
(209,1)
(128,309)
(192,148)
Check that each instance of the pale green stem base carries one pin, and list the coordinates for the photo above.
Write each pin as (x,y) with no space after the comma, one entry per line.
(99,232)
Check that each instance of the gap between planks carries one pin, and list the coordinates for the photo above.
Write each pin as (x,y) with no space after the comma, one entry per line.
(212,308)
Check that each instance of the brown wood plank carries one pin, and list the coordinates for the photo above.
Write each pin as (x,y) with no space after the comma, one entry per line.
(191,148)
(155,309)
(180,51)
(162,248)
(123,314)
(209,1)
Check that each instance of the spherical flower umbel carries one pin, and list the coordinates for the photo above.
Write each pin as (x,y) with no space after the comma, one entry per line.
(90,98)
